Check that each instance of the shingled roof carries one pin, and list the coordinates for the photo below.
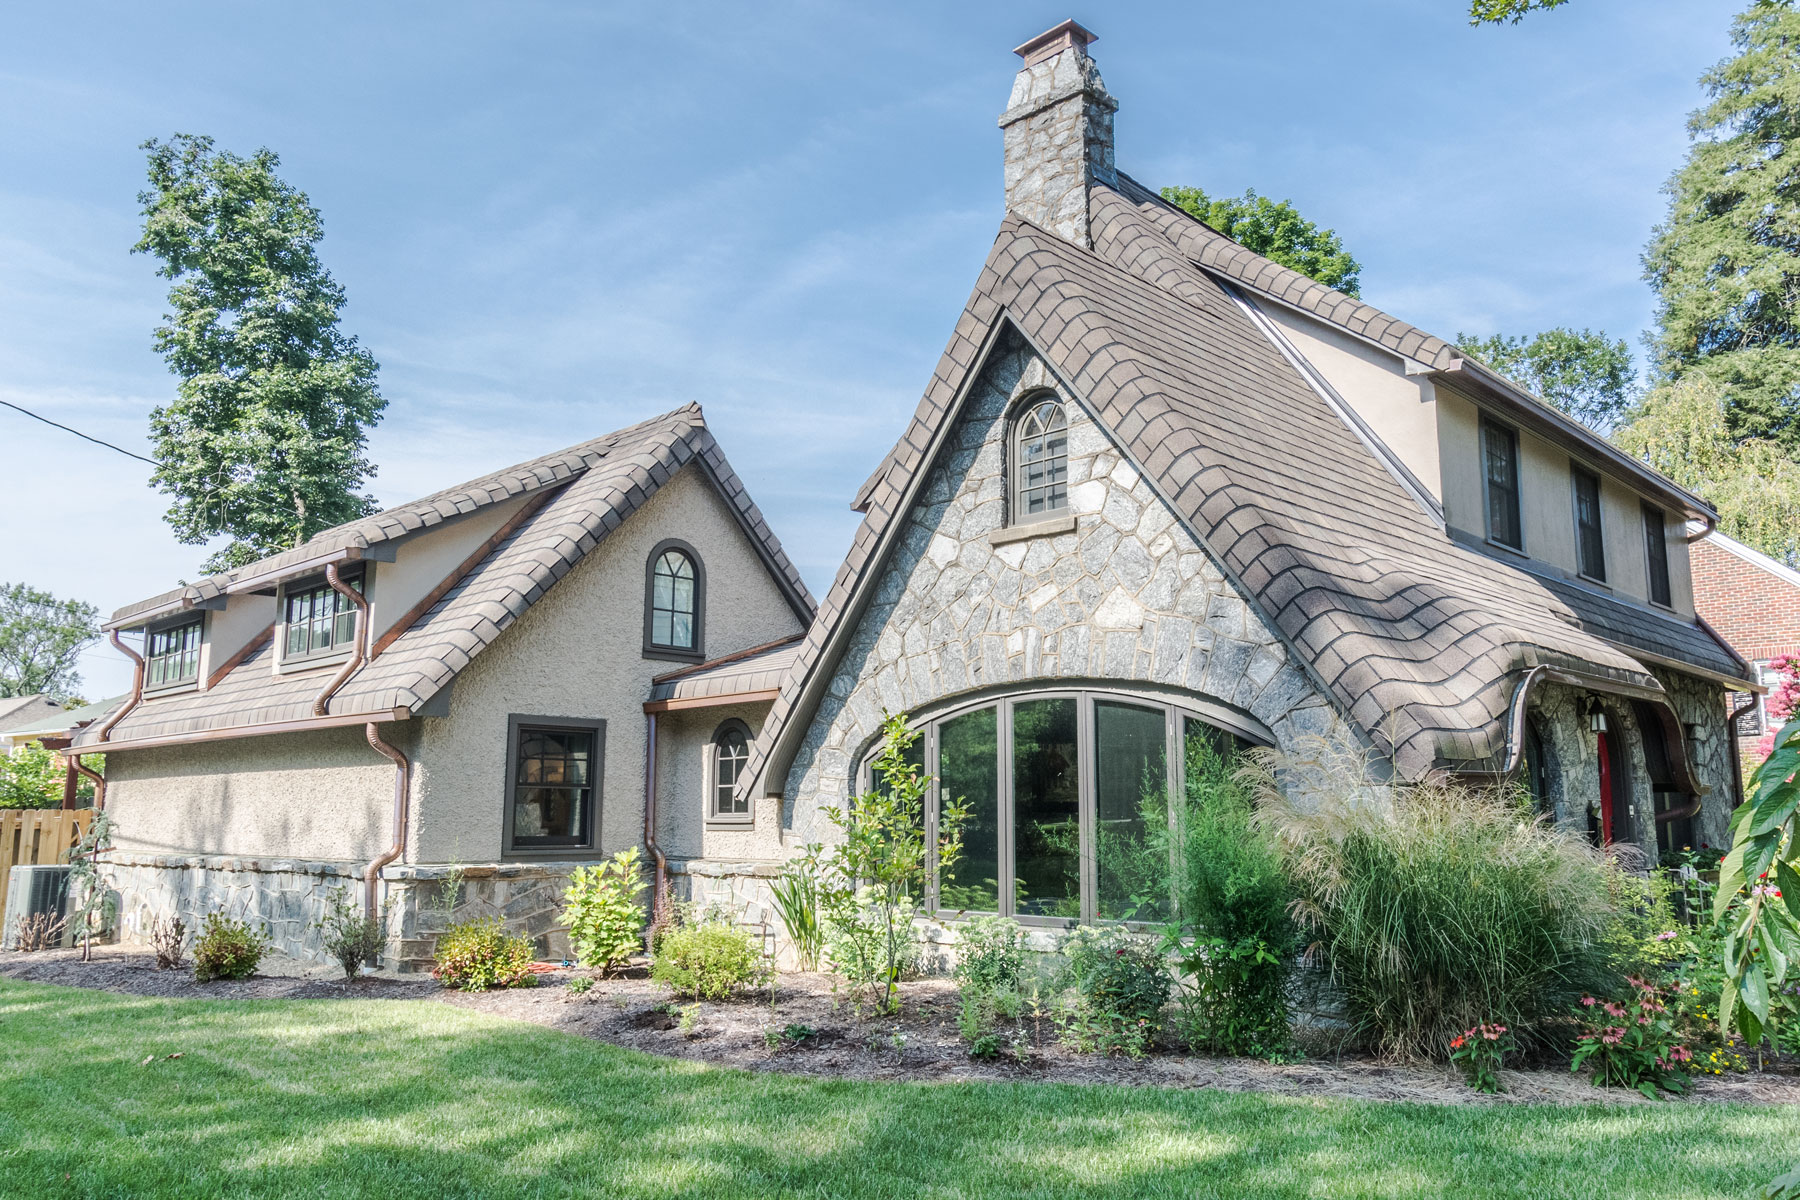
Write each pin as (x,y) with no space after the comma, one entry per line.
(587,491)
(1418,639)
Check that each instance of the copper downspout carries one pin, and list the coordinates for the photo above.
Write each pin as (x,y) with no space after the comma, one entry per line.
(1737,756)
(137,689)
(99,782)
(1515,725)
(402,789)
(323,699)
(659,896)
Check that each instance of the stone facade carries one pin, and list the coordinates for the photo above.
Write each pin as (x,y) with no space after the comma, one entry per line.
(1059,134)
(1126,596)
(526,896)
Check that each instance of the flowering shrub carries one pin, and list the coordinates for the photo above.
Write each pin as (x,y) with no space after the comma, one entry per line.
(1119,982)
(1633,1043)
(990,955)
(1480,1052)
(478,955)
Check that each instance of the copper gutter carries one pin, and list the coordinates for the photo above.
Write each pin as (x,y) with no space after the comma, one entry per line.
(137,688)
(724,698)
(1708,524)
(402,788)
(1515,725)
(98,780)
(357,640)
(1674,738)
(227,732)
(659,896)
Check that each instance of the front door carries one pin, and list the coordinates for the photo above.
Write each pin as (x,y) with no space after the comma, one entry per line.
(1606,792)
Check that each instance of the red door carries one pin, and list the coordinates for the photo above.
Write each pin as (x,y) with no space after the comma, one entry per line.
(1606,793)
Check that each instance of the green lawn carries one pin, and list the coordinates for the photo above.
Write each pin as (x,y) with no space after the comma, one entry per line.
(415,1099)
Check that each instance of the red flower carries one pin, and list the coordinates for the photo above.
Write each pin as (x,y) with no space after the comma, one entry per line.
(1456,1043)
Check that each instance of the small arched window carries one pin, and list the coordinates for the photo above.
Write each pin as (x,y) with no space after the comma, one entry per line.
(1040,453)
(674,603)
(730,753)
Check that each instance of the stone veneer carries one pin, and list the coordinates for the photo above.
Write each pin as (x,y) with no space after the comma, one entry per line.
(288,898)
(1058,136)
(1128,596)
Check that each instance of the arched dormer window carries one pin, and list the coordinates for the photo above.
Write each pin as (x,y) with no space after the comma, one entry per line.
(1040,460)
(674,603)
(730,752)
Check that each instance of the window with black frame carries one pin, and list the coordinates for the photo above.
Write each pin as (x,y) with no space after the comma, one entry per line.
(1500,469)
(172,655)
(1040,461)
(1656,550)
(319,619)
(553,785)
(1590,542)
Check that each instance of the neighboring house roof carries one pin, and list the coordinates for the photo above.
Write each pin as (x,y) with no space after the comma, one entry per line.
(22,710)
(587,491)
(1752,600)
(750,674)
(1419,639)
(1755,558)
(61,722)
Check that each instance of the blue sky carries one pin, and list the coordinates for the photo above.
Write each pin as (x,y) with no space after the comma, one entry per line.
(554,220)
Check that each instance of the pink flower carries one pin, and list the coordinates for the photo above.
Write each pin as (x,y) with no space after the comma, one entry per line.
(1666,936)
(1613,1035)
(1614,1010)
(1588,1002)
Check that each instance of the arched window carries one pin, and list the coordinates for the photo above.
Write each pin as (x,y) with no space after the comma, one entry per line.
(730,751)
(1040,453)
(674,603)
(1073,799)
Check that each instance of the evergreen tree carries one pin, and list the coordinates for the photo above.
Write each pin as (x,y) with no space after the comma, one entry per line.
(1726,261)
(1274,230)
(264,442)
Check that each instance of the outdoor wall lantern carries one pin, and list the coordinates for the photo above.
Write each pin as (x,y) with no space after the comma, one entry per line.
(1596,718)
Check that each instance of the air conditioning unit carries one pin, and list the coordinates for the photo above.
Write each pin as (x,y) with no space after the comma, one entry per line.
(30,891)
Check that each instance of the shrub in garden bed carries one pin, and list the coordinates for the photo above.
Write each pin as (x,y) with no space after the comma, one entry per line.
(1234,940)
(708,959)
(227,948)
(602,913)
(476,956)
(1439,907)
(1118,982)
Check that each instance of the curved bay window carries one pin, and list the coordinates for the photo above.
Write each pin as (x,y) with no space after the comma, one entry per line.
(1040,461)
(730,751)
(674,595)
(1075,802)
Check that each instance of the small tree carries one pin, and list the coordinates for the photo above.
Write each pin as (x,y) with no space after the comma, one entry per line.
(602,913)
(882,852)
(93,903)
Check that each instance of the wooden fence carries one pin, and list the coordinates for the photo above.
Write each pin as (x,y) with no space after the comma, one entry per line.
(34,836)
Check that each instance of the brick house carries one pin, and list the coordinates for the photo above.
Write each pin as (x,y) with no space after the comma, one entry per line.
(1753,602)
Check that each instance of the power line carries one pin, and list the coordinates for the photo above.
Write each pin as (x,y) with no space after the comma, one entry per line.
(78,433)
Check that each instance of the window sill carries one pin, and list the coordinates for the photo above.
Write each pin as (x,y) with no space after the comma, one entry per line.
(1506,548)
(171,689)
(1593,582)
(293,666)
(1037,529)
(541,853)
(737,823)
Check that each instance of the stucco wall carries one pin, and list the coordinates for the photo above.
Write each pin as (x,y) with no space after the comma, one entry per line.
(1547,508)
(426,558)
(317,795)
(578,652)
(683,750)
(230,629)
(1399,407)
(1128,596)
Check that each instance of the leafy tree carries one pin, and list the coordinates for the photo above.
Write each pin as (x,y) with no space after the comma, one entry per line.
(32,777)
(1274,230)
(1726,261)
(1506,12)
(265,440)
(1582,373)
(1683,430)
(40,637)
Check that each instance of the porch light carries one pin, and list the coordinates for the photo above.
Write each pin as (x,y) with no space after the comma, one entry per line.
(1597,719)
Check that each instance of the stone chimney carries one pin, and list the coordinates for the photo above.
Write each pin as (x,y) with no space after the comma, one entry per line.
(1059,133)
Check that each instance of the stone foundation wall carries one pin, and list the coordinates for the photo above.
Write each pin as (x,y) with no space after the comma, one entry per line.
(289,897)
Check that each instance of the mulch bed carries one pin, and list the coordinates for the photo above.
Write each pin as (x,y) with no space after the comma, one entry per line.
(920,1044)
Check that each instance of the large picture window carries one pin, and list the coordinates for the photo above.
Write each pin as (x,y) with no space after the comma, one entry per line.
(319,619)
(1040,461)
(674,603)
(1500,471)
(1074,799)
(172,656)
(553,777)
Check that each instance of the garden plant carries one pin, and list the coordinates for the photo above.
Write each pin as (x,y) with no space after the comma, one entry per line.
(227,948)
(476,956)
(350,937)
(602,913)
(707,957)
